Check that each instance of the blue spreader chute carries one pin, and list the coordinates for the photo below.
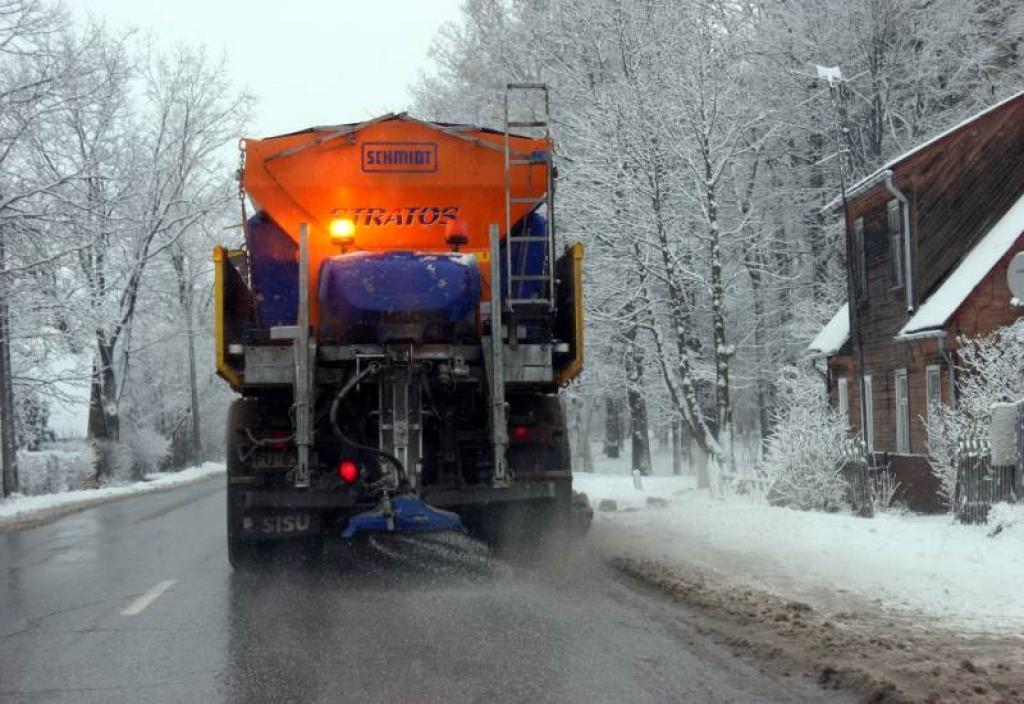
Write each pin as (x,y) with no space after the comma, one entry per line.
(402,515)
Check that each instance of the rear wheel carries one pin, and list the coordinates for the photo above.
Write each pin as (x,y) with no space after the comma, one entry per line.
(528,530)
(245,552)
(538,528)
(242,553)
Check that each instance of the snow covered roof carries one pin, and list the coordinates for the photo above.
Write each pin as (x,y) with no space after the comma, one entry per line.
(942,304)
(834,335)
(878,175)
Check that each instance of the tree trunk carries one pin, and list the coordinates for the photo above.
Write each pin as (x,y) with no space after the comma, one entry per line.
(612,427)
(700,465)
(8,451)
(818,221)
(681,385)
(180,262)
(580,425)
(588,453)
(104,421)
(677,447)
(723,351)
(640,434)
(755,263)
(640,443)
(197,443)
(662,433)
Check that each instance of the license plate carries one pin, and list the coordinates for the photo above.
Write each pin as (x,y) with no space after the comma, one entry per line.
(282,524)
(272,460)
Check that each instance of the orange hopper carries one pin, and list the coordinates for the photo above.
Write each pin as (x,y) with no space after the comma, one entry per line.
(402,184)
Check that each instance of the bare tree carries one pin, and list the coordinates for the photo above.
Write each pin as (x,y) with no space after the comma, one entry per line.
(31,75)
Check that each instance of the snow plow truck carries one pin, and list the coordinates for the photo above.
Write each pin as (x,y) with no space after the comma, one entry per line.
(398,325)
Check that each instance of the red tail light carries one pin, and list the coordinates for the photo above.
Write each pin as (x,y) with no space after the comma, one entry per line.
(529,435)
(276,440)
(348,470)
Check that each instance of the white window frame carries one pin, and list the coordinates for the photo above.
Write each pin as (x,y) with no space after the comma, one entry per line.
(932,371)
(861,254)
(843,400)
(869,413)
(901,395)
(892,211)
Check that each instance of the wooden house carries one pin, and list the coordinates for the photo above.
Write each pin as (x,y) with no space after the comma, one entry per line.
(930,236)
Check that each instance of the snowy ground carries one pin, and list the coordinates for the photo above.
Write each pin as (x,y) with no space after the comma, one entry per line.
(924,570)
(21,511)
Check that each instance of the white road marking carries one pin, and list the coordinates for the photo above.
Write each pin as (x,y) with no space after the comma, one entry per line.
(143,602)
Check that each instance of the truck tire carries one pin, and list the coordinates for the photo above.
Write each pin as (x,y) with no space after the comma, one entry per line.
(528,531)
(581,514)
(538,528)
(242,554)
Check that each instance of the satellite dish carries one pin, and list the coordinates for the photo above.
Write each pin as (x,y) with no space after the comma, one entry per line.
(1015,276)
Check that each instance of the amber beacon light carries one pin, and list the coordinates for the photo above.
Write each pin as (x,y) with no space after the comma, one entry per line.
(343,232)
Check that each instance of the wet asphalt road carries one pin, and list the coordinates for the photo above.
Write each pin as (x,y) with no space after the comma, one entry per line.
(134,602)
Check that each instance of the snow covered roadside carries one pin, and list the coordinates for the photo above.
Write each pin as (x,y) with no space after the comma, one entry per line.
(953,576)
(27,511)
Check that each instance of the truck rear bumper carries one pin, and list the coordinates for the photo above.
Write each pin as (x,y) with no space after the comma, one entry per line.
(291,499)
(522,491)
(287,498)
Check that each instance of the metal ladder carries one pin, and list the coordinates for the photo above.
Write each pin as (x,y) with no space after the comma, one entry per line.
(515,281)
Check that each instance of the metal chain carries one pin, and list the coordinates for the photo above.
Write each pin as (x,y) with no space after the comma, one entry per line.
(241,190)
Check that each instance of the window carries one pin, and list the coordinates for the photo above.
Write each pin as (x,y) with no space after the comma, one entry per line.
(902,413)
(844,400)
(869,414)
(895,243)
(860,255)
(933,390)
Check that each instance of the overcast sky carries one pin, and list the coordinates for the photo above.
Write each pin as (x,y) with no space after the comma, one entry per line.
(310,62)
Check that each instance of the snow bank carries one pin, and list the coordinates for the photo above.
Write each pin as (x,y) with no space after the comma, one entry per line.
(905,565)
(18,509)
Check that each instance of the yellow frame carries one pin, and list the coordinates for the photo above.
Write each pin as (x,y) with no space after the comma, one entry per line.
(224,369)
(575,366)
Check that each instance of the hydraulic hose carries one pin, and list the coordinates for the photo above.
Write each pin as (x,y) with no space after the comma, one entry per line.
(340,435)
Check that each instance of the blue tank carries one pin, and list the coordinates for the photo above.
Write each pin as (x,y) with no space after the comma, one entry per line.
(358,288)
(273,270)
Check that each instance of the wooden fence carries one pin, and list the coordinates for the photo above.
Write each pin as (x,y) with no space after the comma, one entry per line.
(979,484)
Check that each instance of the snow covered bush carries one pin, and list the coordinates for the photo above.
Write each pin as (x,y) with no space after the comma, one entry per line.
(990,370)
(944,433)
(31,420)
(883,488)
(140,452)
(54,471)
(806,451)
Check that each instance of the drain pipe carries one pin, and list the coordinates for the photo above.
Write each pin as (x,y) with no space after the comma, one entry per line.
(950,369)
(908,266)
